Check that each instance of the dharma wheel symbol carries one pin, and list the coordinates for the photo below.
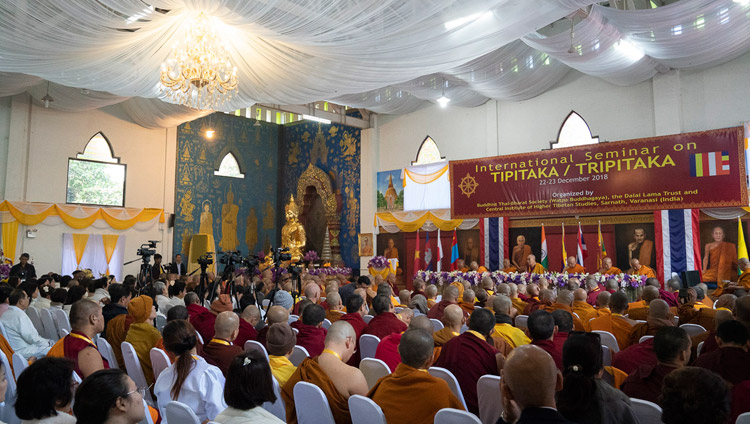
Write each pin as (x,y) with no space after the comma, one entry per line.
(468,185)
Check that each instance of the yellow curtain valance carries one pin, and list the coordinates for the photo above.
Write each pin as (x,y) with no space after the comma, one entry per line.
(76,216)
(424,178)
(413,220)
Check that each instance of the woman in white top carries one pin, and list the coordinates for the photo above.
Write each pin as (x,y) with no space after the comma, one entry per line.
(190,380)
(47,403)
(245,400)
(109,396)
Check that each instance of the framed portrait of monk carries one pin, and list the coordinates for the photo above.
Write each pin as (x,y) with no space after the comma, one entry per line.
(718,250)
(393,246)
(524,241)
(633,241)
(366,244)
(468,246)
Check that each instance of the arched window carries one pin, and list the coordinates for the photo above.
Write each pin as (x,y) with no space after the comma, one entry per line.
(229,167)
(96,176)
(574,132)
(428,152)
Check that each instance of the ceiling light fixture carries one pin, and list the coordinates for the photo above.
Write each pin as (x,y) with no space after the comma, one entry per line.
(199,73)
(443,100)
(630,50)
(47,99)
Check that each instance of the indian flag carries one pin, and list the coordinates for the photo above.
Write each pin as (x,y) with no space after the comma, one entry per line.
(544,250)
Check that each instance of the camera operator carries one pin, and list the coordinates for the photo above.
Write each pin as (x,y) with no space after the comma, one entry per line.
(157,270)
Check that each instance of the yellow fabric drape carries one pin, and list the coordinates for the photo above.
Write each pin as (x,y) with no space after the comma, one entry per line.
(79,245)
(110,242)
(424,178)
(411,226)
(117,218)
(10,237)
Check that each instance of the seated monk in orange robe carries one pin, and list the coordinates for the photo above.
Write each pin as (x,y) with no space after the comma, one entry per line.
(541,302)
(453,320)
(638,269)
(608,269)
(518,304)
(703,316)
(743,282)
(330,373)
(564,303)
(335,308)
(117,330)
(87,321)
(468,301)
(719,259)
(584,311)
(431,295)
(571,267)
(401,395)
(639,310)
(616,323)
(507,267)
(521,252)
(659,316)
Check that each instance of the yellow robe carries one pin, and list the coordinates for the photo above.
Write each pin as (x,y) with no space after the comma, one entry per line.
(281,368)
(538,269)
(144,336)
(519,304)
(584,311)
(514,336)
(616,324)
(575,269)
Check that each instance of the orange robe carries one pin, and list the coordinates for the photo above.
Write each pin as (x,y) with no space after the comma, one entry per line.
(618,376)
(648,329)
(577,323)
(144,336)
(519,304)
(602,312)
(310,372)
(742,282)
(637,304)
(8,351)
(575,269)
(722,263)
(391,391)
(638,313)
(584,311)
(616,324)
(510,269)
(442,337)
(705,317)
(117,330)
(467,307)
(481,269)
(612,271)
(334,316)
(648,272)
(537,269)
(644,254)
(431,303)
(520,254)
(460,288)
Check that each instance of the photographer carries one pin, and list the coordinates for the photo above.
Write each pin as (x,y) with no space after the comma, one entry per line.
(157,270)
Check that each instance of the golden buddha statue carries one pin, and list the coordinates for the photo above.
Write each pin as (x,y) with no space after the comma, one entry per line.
(293,233)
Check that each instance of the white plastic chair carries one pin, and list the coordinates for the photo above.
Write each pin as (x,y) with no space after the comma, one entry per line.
(367,318)
(522,321)
(606,356)
(159,361)
(743,418)
(367,345)
(19,364)
(455,416)
(364,411)
(449,378)
(298,355)
(644,338)
(253,345)
(62,320)
(699,349)
(3,332)
(311,404)
(200,338)
(609,340)
(647,412)
(326,323)
(135,371)
(160,322)
(693,329)
(178,412)
(64,332)
(7,411)
(277,408)
(676,320)
(490,399)
(292,318)
(50,329)
(36,319)
(373,370)
(147,415)
(436,324)
(464,328)
(105,349)
(640,321)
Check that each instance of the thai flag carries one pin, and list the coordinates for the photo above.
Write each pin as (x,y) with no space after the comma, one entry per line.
(677,235)
(493,242)
(439,265)
(454,252)
(581,252)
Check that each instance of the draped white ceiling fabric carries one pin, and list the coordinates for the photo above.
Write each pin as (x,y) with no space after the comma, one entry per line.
(389,56)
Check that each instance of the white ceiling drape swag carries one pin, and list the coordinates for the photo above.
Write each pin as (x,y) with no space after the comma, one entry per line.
(389,56)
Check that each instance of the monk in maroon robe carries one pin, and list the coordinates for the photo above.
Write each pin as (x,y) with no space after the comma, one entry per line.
(357,308)
(385,322)
(220,350)
(630,359)
(204,324)
(275,315)
(450,297)
(470,356)
(311,334)
(731,360)
(542,331)
(86,321)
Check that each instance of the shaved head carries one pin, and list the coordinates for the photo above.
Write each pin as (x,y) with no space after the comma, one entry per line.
(611,284)
(333,299)
(565,297)
(591,283)
(250,313)
(277,314)
(726,301)
(532,289)
(546,295)
(503,289)
(580,295)
(191,298)
(650,293)
(602,300)
(81,311)
(742,309)
(338,332)
(453,316)
(513,289)
(501,305)
(416,347)
(723,316)
(469,296)
(659,309)
(312,292)
(404,296)
(423,323)
(431,291)
(618,303)
(226,323)
(450,294)
(530,377)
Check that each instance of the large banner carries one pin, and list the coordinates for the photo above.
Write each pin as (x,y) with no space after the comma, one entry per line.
(683,171)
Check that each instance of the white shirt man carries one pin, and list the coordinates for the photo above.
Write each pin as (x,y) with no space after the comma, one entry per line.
(22,336)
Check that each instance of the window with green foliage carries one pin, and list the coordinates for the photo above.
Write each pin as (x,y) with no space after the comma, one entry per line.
(96,176)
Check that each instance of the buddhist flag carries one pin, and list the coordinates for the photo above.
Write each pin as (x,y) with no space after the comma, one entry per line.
(439,266)
(741,247)
(709,164)
(564,253)
(427,253)
(602,253)
(544,260)
(454,252)
(417,260)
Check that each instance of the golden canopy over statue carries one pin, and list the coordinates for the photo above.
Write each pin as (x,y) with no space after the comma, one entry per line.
(293,233)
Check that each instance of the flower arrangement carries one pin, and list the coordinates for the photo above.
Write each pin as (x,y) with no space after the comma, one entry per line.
(378,262)
(325,271)
(555,278)
(311,256)
(4,271)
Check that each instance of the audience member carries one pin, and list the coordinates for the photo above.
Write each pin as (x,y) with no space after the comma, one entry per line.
(86,322)
(141,333)
(585,311)
(22,335)
(363,282)
(541,326)
(385,322)
(44,392)
(659,316)
(419,305)
(205,324)
(467,302)
(311,334)
(387,350)
(430,292)
(23,269)
(101,293)
(221,350)
(44,298)
(109,397)
(356,308)
(245,401)
(453,320)
(335,307)
(275,315)
(5,290)
(450,297)
(75,294)
(119,297)
(249,318)
(504,323)
(616,323)
(731,360)
(190,380)
(694,395)
(280,342)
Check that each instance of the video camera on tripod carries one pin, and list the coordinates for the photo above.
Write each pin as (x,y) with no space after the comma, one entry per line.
(206,259)
(147,249)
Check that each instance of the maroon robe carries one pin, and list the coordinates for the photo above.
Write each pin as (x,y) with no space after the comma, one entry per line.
(416,292)
(73,346)
(740,400)
(731,363)
(559,340)
(646,381)
(591,298)
(195,310)
(387,350)
(550,347)
(630,359)
(359,325)
(247,332)
(205,325)
(262,335)
(533,305)
(384,324)
(312,338)
(220,355)
(438,310)
(468,357)
(709,345)
(669,297)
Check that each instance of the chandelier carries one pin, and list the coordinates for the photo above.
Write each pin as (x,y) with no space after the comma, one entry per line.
(199,73)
